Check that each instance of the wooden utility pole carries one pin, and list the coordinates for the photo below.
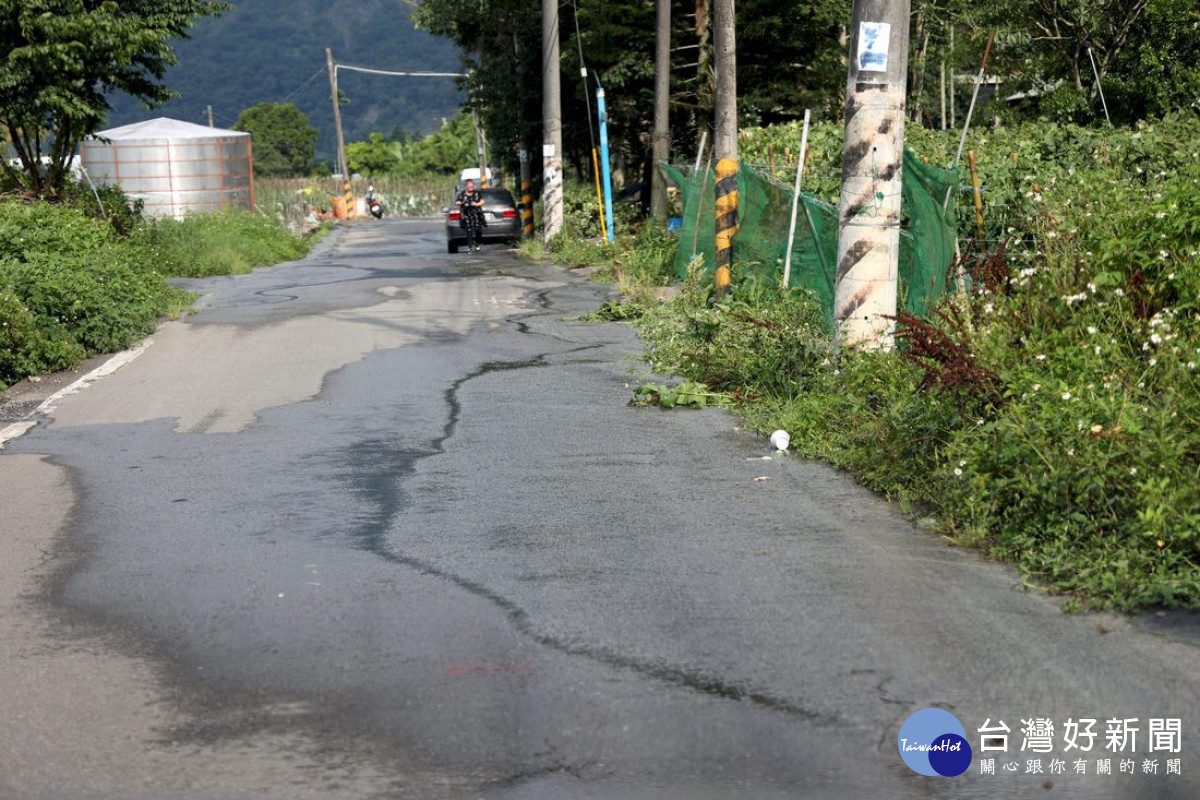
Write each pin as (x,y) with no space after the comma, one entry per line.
(480,151)
(552,178)
(725,142)
(704,84)
(872,171)
(662,98)
(337,116)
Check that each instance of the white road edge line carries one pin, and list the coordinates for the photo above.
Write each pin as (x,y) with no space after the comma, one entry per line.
(17,429)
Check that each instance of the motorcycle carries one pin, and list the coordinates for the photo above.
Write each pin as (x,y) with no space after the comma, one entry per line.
(375,207)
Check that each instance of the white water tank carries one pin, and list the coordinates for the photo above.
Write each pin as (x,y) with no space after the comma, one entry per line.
(175,168)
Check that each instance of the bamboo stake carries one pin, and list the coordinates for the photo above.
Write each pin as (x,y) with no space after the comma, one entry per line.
(978,192)
(974,96)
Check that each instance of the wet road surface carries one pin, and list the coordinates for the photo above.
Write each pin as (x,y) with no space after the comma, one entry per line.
(382,524)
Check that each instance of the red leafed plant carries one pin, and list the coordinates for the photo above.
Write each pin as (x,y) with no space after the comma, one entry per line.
(941,347)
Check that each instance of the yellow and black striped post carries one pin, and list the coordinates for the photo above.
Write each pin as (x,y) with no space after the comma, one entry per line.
(727,222)
(527,208)
(348,198)
(526,195)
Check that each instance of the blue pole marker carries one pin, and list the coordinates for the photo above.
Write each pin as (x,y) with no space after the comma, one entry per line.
(608,212)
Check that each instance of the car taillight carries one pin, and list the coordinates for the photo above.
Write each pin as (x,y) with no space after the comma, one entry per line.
(455,215)
(509,214)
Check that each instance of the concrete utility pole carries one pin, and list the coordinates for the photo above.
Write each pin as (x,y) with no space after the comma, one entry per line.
(210,118)
(552,179)
(725,143)
(872,167)
(662,99)
(337,116)
(523,145)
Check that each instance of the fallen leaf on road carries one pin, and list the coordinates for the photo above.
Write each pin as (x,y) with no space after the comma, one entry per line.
(762,478)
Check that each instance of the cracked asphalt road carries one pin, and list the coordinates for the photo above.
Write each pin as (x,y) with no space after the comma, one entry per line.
(382,524)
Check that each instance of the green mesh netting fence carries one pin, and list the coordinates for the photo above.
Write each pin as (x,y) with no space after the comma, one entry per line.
(764,216)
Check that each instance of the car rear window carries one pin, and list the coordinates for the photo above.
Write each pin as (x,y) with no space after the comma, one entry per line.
(498,196)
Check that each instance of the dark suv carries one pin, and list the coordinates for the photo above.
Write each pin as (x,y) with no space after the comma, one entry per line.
(502,223)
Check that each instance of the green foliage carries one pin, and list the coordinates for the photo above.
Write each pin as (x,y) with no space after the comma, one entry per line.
(70,286)
(73,285)
(62,58)
(691,394)
(1050,416)
(616,311)
(446,151)
(284,141)
(105,202)
(225,243)
(753,343)
(372,157)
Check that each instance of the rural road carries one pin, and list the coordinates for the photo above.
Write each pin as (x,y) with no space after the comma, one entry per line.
(382,524)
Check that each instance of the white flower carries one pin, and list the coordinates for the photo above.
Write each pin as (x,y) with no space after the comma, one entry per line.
(1191,365)
(1160,215)
(1163,255)
(1133,470)
(1066,395)
(1037,387)
(958,472)
(1153,361)
(1041,356)
(1119,292)
(1155,338)
(1096,349)
(1091,329)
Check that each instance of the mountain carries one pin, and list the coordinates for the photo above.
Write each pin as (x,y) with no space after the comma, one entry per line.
(274,50)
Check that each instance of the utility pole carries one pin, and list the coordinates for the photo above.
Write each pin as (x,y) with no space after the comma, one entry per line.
(662,98)
(523,144)
(210,118)
(725,142)
(872,171)
(480,150)
(337,116)
(552,179)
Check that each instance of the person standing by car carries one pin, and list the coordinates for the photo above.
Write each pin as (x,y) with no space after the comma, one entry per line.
(470,202)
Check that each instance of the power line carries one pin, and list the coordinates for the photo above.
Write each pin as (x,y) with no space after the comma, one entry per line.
(304,85)
(584,73)
(415,74)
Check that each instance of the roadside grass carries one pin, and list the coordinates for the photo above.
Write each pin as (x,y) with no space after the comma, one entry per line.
(230,242)
(73,284)
(1049,417)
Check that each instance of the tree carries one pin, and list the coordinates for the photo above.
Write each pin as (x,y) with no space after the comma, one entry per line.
(447,151)
(1143,51)
(62,60)
(284,140)
(373,157)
